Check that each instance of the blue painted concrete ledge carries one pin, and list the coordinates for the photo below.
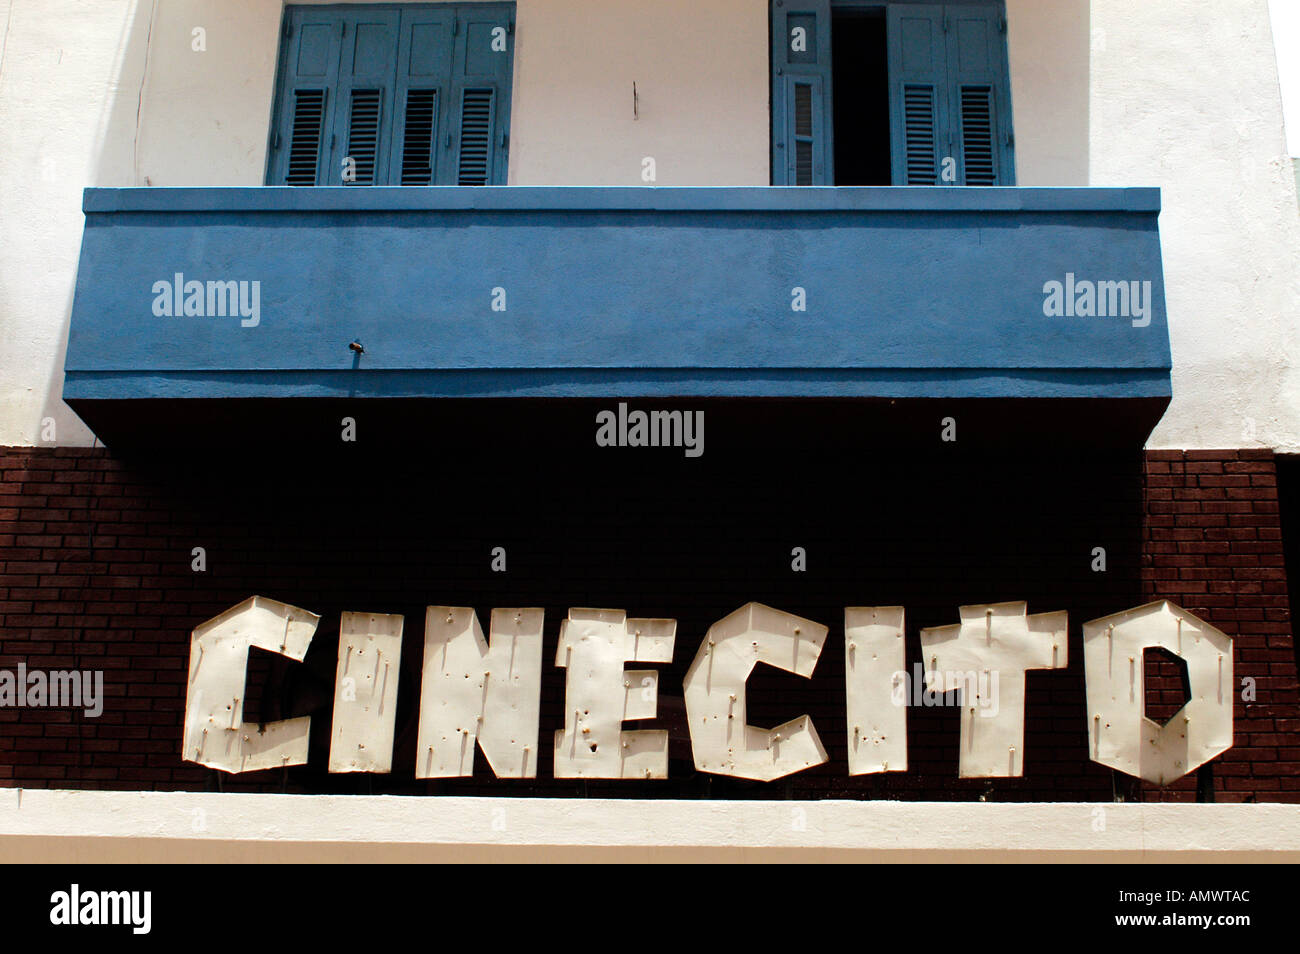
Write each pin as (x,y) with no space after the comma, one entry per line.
(618,292)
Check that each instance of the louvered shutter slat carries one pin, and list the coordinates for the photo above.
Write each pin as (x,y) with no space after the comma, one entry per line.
(364,133)
(419,124)
(475,137)
(977,135)
(920,135)
(307,123)
(803,131)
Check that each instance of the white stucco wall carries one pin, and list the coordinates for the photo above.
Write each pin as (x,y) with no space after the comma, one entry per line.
(1185,96)
(1181,94)
(1047,51)
(69,73)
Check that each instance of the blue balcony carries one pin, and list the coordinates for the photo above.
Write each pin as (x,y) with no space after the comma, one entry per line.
(188,295)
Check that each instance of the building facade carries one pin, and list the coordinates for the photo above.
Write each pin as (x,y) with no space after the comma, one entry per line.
(814,322)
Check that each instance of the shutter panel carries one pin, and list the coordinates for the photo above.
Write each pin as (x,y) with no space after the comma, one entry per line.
(480,90)
(920,133)
(424,68)
(309,72)
(367,77)
(980,92)
(802,145)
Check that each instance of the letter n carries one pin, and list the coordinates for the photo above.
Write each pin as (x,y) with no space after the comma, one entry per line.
(481,692)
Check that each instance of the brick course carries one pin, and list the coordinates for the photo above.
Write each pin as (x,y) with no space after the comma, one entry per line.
(1222,560)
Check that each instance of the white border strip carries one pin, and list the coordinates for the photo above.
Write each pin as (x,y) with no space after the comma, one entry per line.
(83,826)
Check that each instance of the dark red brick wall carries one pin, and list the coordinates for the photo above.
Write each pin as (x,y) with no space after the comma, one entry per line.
(85,584)
(95,574)
(1212,543)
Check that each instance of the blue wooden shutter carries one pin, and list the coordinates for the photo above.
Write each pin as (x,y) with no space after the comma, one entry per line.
(422,128)
(920,134)
(802,145)
(367,80)
(480,95)
(980,95)
(309,72)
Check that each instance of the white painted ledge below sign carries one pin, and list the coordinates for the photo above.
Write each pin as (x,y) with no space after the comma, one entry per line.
(85,827)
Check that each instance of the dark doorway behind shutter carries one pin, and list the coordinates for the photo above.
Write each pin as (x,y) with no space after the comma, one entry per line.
(860,74)
(924,101)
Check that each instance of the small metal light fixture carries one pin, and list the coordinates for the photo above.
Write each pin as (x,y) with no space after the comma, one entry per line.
(355,345)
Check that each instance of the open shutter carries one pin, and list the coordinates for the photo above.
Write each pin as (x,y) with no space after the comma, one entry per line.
(802,147)
(424,64)
(980,95)
(480,95)
(918,92)
(363,119)
(309,72)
